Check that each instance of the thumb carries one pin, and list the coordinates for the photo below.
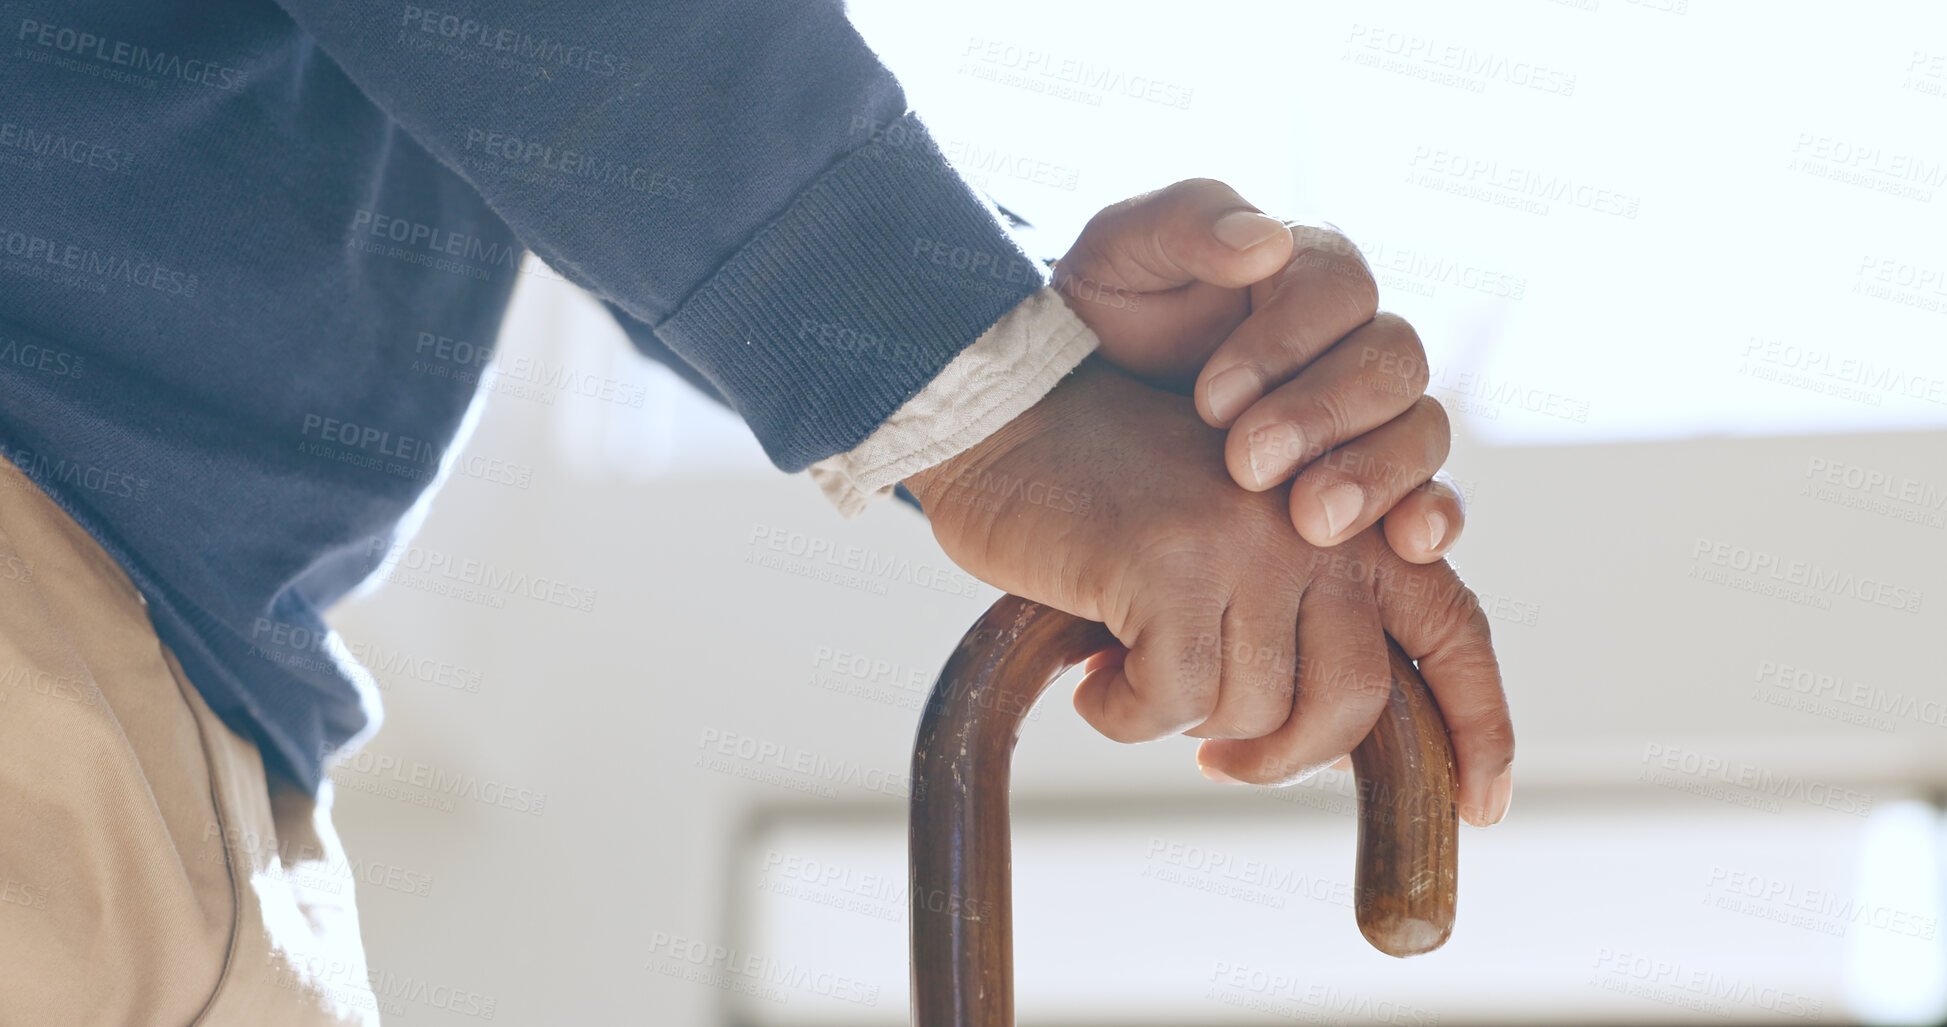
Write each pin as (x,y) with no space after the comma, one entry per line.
(1198,230)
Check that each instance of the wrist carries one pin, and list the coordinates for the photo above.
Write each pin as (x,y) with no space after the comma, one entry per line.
(944,489)
(963,474)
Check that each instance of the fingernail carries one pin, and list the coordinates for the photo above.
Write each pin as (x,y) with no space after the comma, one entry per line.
(1244,229)
(1274,450)
(1218,776)
(1230,392)
(1500,795)
(1343,504)
(1436,531)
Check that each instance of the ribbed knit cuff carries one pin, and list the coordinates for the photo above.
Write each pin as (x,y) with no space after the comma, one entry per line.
(843,308)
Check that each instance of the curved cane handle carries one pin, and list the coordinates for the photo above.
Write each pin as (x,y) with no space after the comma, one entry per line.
(961,875)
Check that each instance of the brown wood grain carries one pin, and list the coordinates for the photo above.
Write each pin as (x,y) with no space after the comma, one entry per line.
(960,882)
(1407,879)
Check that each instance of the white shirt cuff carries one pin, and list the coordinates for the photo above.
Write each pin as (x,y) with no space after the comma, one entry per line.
(1007,370)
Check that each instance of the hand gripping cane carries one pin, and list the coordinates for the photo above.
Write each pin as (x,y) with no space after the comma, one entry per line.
(960,884)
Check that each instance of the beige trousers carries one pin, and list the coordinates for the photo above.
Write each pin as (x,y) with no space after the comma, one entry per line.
(150,872)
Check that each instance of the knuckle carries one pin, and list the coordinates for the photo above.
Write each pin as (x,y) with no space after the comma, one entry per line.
(1196,183)
(1190,188)
(1356,295)
(1457,614)
(1177,661)
(1261,668)
(1396,327)
(1416,374)
(1413,379)
(1435,436)
(1328,251)
(1392,363)
(1104,221)
(1436,415)
(1422,592)
(1406,336)
(1492,736)
(1403,341)
(1465,638)
(1346,574)
(1332,411)
(1395,385)
(1198,663)
(1162,700)
(1362,292)
(1184,684)
(1342,245)
(1086,257)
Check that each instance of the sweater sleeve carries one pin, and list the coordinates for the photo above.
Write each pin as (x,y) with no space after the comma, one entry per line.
(1013,364)
(741,176)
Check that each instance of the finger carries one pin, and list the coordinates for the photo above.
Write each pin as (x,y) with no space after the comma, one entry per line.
(1198,230)
(1162,338)
(1108,659)
(1324,292)
(1346,490)
(1344,680)
(1424,525)
(1438,622)
(1167,682)
(1375,374)
(1155,274)
(1260,657)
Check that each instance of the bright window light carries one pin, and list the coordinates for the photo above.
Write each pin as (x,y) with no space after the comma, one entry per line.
(1700,238)
(1898,975)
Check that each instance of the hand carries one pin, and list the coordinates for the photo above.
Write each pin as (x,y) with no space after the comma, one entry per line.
(1275,330)
(1223,608)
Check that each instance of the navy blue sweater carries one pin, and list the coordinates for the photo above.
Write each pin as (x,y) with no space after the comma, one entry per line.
(228,229)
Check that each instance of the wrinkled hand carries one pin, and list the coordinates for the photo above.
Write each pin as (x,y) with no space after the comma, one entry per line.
(1237,630)
(1275,330)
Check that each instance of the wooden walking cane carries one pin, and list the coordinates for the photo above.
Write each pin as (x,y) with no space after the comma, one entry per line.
(961,879)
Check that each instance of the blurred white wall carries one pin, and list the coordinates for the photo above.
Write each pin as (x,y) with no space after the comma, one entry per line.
(1623,552)
(1617,661)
